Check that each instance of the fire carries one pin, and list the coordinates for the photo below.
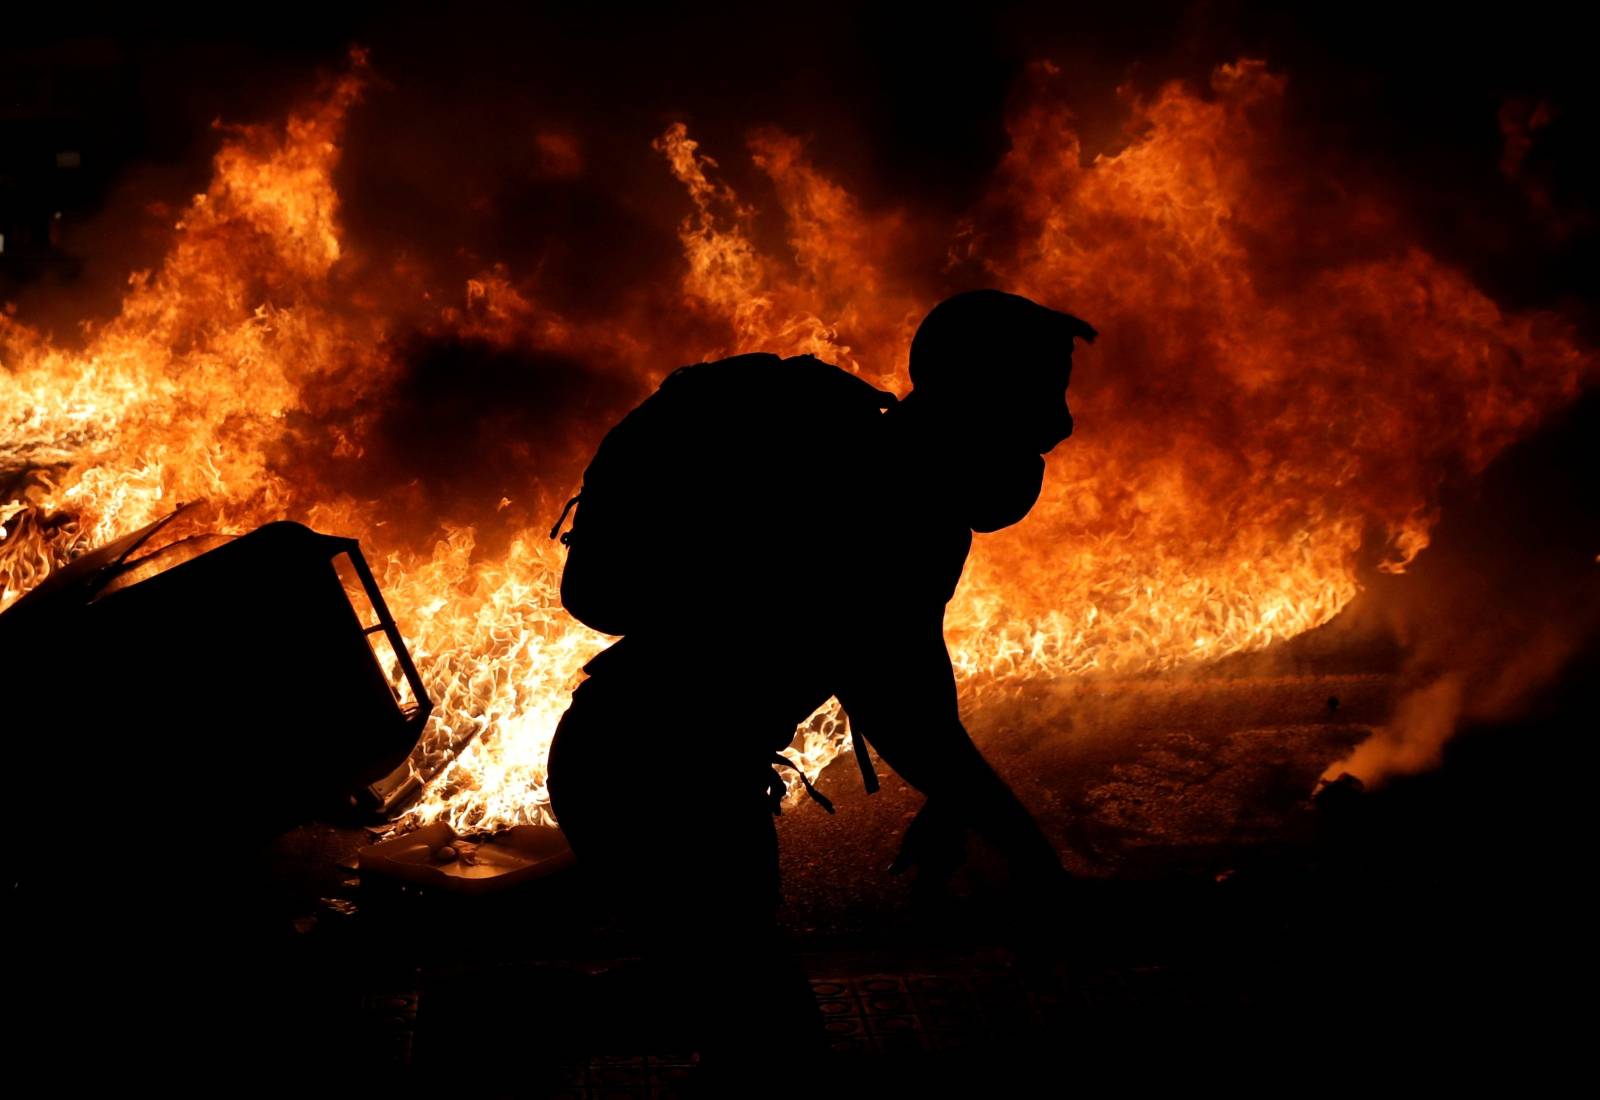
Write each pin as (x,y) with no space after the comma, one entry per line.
(1281,372)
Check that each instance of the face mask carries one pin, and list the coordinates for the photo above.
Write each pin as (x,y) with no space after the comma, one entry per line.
(998,490)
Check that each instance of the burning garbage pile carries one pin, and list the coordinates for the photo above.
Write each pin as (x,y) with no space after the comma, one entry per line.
(1222,494)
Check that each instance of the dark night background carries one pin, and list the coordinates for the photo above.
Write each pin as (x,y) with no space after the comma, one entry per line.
(1431,928)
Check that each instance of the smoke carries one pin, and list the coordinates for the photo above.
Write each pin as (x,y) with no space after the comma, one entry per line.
(1500,607)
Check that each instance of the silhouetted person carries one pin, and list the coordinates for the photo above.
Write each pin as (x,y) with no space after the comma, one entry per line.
(661,770)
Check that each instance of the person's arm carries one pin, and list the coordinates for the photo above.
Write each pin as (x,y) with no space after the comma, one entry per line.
(900,695)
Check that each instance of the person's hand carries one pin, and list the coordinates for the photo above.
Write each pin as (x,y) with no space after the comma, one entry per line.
(935,844)
(1038,900)
(1032,860)
(998,817)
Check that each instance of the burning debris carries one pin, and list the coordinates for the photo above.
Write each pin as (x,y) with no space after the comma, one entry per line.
(1230,494)
(402,308)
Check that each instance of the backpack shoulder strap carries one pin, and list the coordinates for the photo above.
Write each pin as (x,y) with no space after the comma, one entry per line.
(869,774)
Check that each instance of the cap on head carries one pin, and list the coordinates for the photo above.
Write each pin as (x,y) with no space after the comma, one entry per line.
(989,339)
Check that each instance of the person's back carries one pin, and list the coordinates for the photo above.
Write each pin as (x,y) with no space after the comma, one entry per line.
(787,558)
(660,771)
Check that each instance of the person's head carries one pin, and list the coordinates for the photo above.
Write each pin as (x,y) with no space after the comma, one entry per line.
(989,374)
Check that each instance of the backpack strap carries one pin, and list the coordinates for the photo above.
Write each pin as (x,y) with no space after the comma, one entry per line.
(869,774)
(778,788)
(556,530)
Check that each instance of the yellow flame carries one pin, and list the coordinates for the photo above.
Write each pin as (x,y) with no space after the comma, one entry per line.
(1214,503)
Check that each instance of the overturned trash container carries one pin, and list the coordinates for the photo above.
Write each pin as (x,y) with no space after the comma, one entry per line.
(251,680)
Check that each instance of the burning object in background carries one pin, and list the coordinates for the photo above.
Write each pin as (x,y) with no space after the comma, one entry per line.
(259,677)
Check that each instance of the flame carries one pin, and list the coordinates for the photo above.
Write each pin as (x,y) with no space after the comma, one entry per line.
(1281,372)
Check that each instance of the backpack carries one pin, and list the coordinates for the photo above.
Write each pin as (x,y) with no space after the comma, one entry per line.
(714,473)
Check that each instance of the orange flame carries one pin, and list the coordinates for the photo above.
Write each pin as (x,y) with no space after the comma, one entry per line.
(1280,371)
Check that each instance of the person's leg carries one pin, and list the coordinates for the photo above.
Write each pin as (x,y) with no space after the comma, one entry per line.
(689,859)
(760,1019)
